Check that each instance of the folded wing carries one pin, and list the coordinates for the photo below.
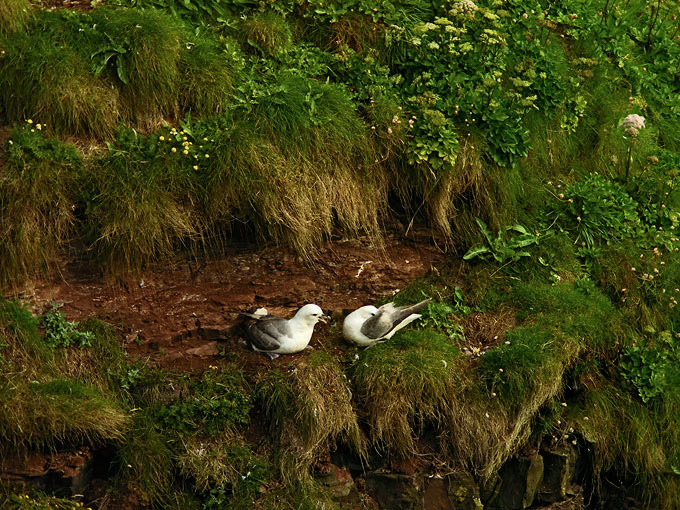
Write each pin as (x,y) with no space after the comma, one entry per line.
(388,318)
(265,332)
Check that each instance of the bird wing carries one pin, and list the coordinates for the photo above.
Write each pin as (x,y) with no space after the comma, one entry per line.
(265,332)
(388,317)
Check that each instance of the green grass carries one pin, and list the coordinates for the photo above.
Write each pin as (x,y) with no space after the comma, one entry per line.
(38,192)
(633,438)
(304,421)
(139,211)
(145,459)
(14,14)
(207,76)
(152,41)
(44,404)
(266,32)
(405,384)
(294,194)
(52,84)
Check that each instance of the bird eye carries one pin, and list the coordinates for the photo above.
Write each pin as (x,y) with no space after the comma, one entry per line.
(372,314)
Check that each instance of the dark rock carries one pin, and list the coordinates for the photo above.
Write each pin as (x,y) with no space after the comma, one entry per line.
(208,349)
(395,492)
(559,467)
(520,479)
(339,481)
(64,473)
(212,333)
(455,491)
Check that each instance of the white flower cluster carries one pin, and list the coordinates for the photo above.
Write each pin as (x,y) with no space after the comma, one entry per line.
(632,124)
(463,9)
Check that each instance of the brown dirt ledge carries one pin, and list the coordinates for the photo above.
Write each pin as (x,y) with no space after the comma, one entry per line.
(180,316)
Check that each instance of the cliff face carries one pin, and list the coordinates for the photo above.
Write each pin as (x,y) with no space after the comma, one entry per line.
(516,163)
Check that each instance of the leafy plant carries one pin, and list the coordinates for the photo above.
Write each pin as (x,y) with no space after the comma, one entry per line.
(60,332)
(506,246)
(597,210)
(212,404)
(652,368)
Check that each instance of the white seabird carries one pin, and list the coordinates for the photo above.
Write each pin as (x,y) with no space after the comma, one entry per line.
(274,335)
(368,325)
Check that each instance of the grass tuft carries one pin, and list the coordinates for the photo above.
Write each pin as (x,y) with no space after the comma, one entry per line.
(42,406)
(306,421)
(149,48)
(406,384)
(52,84)
(37,196)
(14,14)
(267,32)
(207,77)
(139,211)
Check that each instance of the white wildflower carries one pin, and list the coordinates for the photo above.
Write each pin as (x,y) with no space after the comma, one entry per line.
(633,121)
(463,9)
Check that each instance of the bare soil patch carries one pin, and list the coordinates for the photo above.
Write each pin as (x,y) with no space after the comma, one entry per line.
(181,316)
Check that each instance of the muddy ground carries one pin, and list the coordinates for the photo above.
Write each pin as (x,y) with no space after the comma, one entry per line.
(181,316)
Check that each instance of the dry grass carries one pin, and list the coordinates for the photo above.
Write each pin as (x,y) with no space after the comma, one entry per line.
(37,195)
(296,195)
(40,406)
(52,84)
(309,410)
(14,14)
(420,380)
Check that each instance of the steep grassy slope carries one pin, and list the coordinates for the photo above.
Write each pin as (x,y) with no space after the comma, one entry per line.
(538,139)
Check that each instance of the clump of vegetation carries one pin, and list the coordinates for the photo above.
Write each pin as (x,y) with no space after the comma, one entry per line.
(42,406)
(37,199)
(52,84)
(139,209)
(406,384)
(62,333)
(305,421)
(14,14)
(38,501)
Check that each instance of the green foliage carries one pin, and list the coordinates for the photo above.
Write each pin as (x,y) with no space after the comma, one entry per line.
(503,248)
(305,422)
(38,501)
(406,384)
(14,14)
(652,367)
(213,404)
(139,209)
(225,471)
(37,197)
(145,458)
(267,32)
(53,84)
(60,332)
(597,210)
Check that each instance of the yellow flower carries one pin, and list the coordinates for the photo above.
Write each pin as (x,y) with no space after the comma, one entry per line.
(161,138)
(185,151)
(30,121)
(174,149)
(39,126)
(207,155)
(195,167)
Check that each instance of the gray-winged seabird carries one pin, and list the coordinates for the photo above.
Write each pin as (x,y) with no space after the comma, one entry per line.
(368,325)
(274,335)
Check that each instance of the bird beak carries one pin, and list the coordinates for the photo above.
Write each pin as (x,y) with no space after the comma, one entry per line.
(324,318)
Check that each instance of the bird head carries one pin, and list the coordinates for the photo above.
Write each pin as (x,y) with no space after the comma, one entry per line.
(311,314)
(364,313)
